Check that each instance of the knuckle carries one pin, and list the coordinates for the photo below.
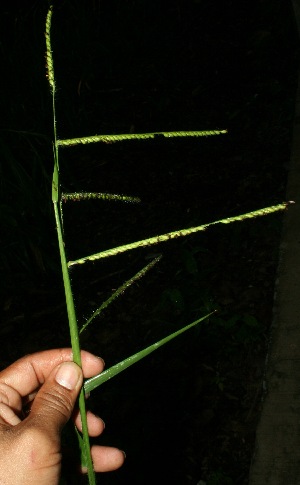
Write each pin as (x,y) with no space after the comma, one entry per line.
(57,402)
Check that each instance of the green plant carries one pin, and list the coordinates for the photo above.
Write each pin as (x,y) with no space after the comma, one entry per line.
(58,198)
(219,478)
(20,187)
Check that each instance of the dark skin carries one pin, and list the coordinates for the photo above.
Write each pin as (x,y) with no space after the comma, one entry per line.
(49,383)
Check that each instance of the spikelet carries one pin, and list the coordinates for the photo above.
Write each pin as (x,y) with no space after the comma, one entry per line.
(77,196)
(49,58)
(180,233)
(137,136)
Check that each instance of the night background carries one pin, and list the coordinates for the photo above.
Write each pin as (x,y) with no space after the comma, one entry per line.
(187,414)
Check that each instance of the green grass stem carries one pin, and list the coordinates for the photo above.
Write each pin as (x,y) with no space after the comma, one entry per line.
(66,278)
(73,327)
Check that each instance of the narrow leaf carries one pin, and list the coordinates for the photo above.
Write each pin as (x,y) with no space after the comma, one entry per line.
(55,183)
(182,232)
(93,382)
(136,136)
(81,444)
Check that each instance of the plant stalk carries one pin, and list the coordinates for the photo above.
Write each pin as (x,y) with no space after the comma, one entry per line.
(75,345)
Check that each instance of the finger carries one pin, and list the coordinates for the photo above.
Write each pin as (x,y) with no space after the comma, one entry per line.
(30,372)
(91,364)
(95,424)
(8,416)
(54,403)
(9,398)
(106,459)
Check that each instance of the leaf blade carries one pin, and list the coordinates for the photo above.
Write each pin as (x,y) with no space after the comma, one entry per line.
(96,381)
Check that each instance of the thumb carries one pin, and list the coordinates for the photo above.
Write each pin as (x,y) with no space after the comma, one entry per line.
(54,403)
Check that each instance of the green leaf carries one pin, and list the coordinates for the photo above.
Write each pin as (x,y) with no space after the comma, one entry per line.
(55,184)
(175,297)
(189,262)
(83,459)
(93,382)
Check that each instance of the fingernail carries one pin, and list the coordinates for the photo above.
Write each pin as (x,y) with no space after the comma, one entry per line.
(103,361)
(68,375)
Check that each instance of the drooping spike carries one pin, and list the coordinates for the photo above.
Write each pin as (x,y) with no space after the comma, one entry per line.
(120,290)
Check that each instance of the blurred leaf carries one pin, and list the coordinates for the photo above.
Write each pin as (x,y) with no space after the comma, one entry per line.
(189,261)
(175,297)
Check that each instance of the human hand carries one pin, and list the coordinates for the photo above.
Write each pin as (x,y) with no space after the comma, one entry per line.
(30,446)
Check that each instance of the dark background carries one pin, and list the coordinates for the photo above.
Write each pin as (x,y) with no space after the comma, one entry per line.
(188,412)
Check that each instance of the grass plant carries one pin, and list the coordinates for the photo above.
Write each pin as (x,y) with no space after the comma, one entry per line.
(58,197)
